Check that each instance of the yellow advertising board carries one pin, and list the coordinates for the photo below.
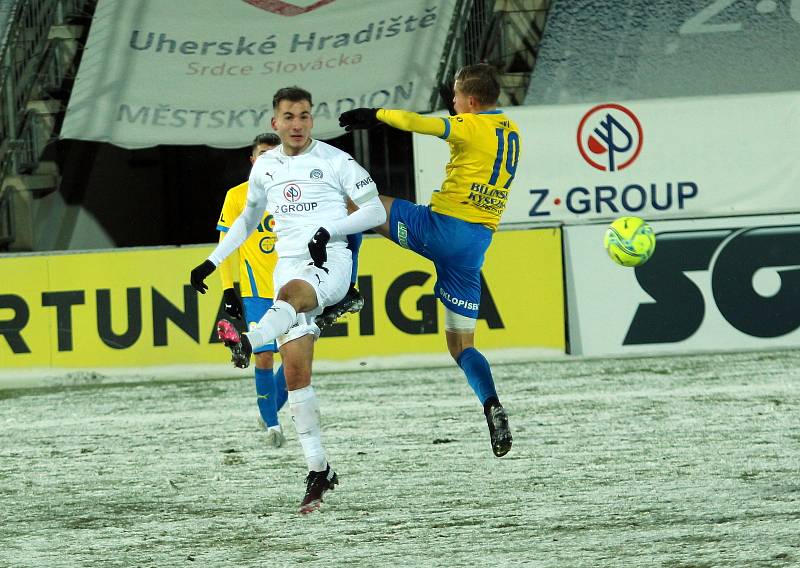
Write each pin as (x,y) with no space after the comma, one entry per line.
(134,307)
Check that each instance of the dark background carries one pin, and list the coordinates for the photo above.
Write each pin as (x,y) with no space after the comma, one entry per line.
(172,195)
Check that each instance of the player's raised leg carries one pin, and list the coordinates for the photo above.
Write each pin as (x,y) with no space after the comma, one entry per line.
(294,297)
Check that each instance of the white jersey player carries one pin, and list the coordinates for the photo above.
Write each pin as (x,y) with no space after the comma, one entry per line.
(303,193)
(304,183)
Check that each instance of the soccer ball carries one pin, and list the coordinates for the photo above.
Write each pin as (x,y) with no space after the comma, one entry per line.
(629,241)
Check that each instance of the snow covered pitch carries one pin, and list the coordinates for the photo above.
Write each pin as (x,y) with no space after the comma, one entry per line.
(676,461)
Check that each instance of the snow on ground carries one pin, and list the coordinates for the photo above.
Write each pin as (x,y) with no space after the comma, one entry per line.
(671,461)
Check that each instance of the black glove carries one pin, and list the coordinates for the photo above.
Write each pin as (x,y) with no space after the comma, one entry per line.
(358,118)
(316,246)
(233,305)
(200,273)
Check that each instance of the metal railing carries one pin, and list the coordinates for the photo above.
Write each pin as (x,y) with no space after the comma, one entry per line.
(464,44)
(504,34)
(29,63)
(31,67)
(7,232)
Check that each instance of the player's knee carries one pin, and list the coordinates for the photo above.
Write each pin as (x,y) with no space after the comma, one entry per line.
(299,293)
(264,360)
(459,331)
(297,377)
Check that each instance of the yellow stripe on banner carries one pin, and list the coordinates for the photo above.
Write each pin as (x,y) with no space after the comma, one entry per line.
(131,308)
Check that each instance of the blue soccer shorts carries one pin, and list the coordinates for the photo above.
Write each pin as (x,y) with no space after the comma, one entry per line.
(254,310)
(457,249)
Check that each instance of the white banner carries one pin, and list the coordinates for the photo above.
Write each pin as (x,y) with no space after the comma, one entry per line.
(204,71)
(711,285)
(657,159)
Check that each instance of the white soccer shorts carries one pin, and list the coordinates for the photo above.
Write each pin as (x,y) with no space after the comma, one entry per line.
(330,286)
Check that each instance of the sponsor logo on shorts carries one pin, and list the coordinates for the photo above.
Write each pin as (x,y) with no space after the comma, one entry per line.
(458,302)
(402,235)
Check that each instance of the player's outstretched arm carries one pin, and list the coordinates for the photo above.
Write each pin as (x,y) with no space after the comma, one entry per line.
(404,120)
(245,224)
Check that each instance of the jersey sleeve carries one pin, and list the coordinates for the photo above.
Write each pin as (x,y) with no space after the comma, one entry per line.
(454,129)
(460,128)
(413,122)
(356,181)
(226,268)
(245,223)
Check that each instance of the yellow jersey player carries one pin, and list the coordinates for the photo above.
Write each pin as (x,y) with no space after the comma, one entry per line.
(257,259)
(455,230)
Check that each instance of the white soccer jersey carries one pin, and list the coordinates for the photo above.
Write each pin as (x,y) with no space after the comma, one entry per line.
(307,191)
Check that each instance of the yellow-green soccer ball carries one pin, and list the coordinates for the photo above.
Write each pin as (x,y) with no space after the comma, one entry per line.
(629,241)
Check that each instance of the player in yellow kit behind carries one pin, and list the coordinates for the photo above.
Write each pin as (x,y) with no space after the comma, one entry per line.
(257,260)
(455,230)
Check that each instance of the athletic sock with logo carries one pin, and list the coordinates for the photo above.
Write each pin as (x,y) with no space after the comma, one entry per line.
(304,408)
(267,403)
(354,244)
(280,317)
(280,388)
(479,374)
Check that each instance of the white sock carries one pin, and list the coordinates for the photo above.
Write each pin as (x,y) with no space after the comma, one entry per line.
(304,409)
(278,320)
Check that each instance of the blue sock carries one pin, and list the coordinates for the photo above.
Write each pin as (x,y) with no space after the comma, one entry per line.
(281,394)
(354,243)
(265,389)
(479,375)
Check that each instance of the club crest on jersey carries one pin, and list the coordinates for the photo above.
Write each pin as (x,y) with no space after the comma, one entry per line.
(292,192)
(316,173)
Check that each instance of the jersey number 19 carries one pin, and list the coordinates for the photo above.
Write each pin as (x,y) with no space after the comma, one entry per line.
(512,156)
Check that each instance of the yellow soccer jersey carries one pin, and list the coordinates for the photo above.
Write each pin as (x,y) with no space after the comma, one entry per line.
(484,153)
(257,256)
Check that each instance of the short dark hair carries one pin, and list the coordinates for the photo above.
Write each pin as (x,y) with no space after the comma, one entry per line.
(294,94)
(268,138)
(480,81)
